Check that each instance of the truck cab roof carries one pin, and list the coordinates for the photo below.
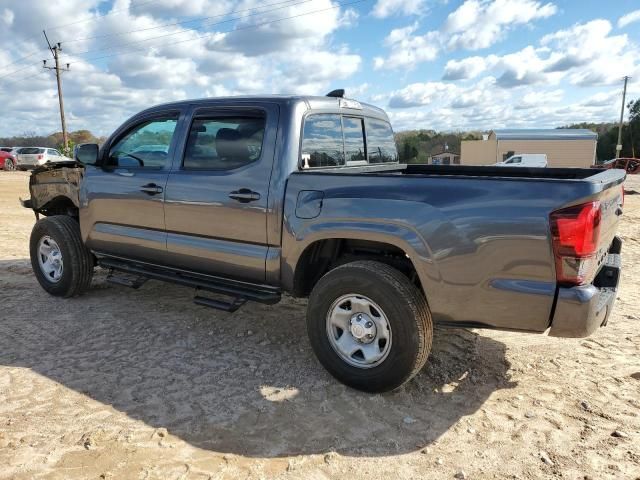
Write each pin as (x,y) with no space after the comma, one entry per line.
(323,103)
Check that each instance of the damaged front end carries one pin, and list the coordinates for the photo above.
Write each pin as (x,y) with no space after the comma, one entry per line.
(55,189)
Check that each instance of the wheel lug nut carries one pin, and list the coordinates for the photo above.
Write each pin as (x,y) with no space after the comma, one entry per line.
(359,317)
(369,324)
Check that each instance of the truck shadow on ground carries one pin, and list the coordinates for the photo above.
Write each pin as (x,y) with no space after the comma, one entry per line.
(245,383)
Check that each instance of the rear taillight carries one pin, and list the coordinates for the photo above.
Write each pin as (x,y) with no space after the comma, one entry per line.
(40,157)
(575,232)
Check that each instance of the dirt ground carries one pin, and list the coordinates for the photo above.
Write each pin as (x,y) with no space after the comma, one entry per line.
(121,384)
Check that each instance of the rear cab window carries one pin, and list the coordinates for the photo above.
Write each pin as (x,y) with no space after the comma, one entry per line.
(343,140)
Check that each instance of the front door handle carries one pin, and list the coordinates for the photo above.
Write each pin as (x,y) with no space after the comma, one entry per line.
(151,189)
(244,195)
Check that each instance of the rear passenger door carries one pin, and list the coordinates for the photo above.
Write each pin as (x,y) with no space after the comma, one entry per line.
(216,195)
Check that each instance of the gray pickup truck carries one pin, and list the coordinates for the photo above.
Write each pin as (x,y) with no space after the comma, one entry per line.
(246,198)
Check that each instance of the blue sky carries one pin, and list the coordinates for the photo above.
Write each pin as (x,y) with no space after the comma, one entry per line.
(432,64)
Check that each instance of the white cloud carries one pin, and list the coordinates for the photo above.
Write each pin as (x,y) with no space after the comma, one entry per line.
(387,8)
(629,18)
(467,68)
(408,50)
(474,25)
(479,24)
(420,94)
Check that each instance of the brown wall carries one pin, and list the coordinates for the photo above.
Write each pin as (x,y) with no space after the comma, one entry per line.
(478,152)
(560,153)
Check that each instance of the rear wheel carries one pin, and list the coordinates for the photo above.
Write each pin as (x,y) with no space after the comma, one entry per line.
(9,165)
(60,261)
(369,326)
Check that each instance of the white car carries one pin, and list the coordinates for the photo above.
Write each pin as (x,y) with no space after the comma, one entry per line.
(30,157)
(525,160)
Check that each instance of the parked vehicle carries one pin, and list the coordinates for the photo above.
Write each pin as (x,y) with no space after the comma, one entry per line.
(537,160)
(630,165)
(30,157)
(257,196)
(7,160)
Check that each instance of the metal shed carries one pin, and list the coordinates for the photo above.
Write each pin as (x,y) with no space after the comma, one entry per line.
(564,147)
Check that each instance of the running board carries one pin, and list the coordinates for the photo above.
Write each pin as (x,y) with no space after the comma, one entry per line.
(230,307)
(126,280)
(239,291)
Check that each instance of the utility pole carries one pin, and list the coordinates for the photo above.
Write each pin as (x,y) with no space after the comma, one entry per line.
(624,94)
(55,50)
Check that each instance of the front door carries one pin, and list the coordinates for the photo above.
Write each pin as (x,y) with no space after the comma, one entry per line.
(216,195)
(123,213)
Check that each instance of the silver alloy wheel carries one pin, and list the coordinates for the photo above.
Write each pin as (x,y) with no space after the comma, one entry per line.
(50,259)
(359,331)
(9,164)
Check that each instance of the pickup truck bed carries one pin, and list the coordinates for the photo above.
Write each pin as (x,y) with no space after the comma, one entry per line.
(382,250)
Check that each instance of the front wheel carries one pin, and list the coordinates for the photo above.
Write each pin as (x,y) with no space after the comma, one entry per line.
(9,165)
(369,326)
(60,261)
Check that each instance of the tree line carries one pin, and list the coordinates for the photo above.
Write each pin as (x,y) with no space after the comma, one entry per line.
(54,140)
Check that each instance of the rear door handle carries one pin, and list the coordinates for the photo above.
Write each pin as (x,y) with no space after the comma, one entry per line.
(244,195)
(151,189)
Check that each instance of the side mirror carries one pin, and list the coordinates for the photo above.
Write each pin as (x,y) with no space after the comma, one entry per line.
(86,153)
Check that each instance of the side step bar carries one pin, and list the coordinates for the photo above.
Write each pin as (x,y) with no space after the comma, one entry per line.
(239,291)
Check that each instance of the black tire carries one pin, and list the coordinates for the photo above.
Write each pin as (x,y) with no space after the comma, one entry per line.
(406,311)
(77,261)
(8,165)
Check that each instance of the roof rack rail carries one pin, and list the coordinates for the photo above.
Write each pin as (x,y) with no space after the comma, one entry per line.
(338,93)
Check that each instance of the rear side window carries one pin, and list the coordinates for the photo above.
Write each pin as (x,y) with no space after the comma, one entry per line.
(224,142)
(381,145)
(322,142)
(52,152)
(31,150)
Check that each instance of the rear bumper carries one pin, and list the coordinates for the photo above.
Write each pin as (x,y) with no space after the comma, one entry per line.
(580,311)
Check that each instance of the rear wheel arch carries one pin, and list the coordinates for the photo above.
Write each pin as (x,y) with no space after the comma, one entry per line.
(324,255)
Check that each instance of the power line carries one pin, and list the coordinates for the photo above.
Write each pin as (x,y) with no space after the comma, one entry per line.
(248,27)
(193,20)
(299,2)
(19,60)
(16,71)
(106,14)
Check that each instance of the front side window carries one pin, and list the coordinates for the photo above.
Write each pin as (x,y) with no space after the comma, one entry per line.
(145,146)
(322,142)
(381,145)
(224,142)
